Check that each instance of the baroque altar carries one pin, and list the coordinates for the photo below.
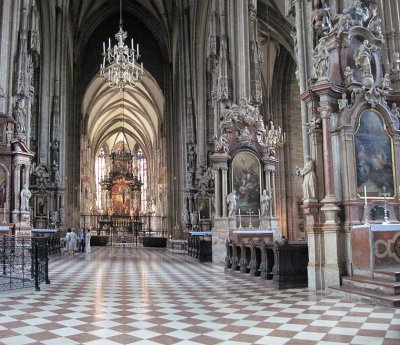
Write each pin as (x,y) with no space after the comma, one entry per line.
(244,164)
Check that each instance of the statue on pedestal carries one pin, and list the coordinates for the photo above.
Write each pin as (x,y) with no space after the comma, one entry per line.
(309,179)
(231,200)
(25,196)
(321,59)
(265,201)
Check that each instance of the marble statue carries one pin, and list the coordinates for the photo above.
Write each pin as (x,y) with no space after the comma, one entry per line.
(20,116)
(25,196)
(348,75)
(343,102)
(321,59)
(396,62)
(221,144)
(265,201)
(309,178)
(61,215)
(185,216)
(344,23)
(54,219)
(231,200)
(395,110)
(362,58)
(375,23)
(385,82)
(191,162)
(320,21)
(194,219)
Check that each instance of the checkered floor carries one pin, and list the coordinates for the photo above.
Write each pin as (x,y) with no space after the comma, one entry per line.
(148,296)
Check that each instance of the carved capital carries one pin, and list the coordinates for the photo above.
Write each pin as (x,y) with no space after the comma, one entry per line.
(325,111)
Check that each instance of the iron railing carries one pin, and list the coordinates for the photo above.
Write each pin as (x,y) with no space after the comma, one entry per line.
(24,262)
(125,229)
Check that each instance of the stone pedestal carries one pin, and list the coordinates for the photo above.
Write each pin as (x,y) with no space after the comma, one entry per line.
(220,234)
(271,223)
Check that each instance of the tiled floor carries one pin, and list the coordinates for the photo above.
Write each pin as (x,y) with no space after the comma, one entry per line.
(148,296)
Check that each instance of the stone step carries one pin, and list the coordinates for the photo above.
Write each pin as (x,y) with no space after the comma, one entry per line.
(375,285)
(366,296)
(392,275)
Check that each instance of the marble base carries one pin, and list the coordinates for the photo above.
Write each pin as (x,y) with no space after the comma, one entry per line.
(219,238)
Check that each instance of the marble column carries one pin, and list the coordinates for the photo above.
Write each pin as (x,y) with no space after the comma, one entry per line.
(217,193)
(330,228)
(224,191)
(16,187)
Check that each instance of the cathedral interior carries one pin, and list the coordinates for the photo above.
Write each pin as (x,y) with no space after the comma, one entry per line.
(267,129)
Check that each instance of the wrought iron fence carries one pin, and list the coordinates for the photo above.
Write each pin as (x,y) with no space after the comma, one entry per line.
(24,262)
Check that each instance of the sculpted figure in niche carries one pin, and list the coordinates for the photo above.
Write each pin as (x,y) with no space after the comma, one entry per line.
(321,59)
(25,196)
(19,116)
(343,102)
(194,219)
(362,58)
(191,163)
(185,216)
(265,201)
(231,200)
(309,179)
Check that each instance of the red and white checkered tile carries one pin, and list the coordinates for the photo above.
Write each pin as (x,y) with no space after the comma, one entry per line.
(148,296)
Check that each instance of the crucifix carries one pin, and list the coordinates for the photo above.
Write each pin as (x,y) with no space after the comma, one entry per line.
(384,194)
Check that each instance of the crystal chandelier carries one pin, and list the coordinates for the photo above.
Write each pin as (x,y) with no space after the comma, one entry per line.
(122,62)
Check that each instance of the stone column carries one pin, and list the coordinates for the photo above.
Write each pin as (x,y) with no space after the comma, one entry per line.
(302,68)
(273,191)
(224,191)
(17,187)
(330,227)
(217,193)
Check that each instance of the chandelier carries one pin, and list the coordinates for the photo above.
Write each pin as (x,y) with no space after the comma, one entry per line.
(122,62)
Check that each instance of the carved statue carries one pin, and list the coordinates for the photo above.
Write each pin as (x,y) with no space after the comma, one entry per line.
(185,216)
(20,116)
(343,102)
(321,59)
(54,219)
(54,150)
(395,110)
(265,201)
(309,178)
(348,75)
(245,136)
(385,82)
(25,196)
(344,22)
(359,13)
(320,21)
(231,201)
(194,219)
(191,162)
(375,23)
(221,144)
(396,62)
(362,58)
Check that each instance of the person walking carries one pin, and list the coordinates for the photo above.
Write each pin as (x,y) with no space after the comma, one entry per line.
(70,239)
(82,239)
(87,244)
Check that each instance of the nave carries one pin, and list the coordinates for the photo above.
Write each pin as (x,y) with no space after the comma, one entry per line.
(149,296)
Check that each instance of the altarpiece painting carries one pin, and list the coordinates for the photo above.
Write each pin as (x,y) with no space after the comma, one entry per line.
(246,180)
(374,156)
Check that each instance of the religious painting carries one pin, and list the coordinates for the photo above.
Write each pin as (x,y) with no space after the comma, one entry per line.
(121,199)
(40,206)
(3,187)
(374,157)
(246,178)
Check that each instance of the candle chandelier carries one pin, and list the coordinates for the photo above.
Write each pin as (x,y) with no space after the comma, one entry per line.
(122,62)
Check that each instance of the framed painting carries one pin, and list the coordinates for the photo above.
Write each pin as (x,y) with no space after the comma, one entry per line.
(40,206)
(246,181)
(374,156)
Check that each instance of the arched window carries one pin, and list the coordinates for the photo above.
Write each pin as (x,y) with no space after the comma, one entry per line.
(100,167)
(142,173)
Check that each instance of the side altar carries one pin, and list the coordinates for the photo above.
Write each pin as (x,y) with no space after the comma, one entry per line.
(244,165)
